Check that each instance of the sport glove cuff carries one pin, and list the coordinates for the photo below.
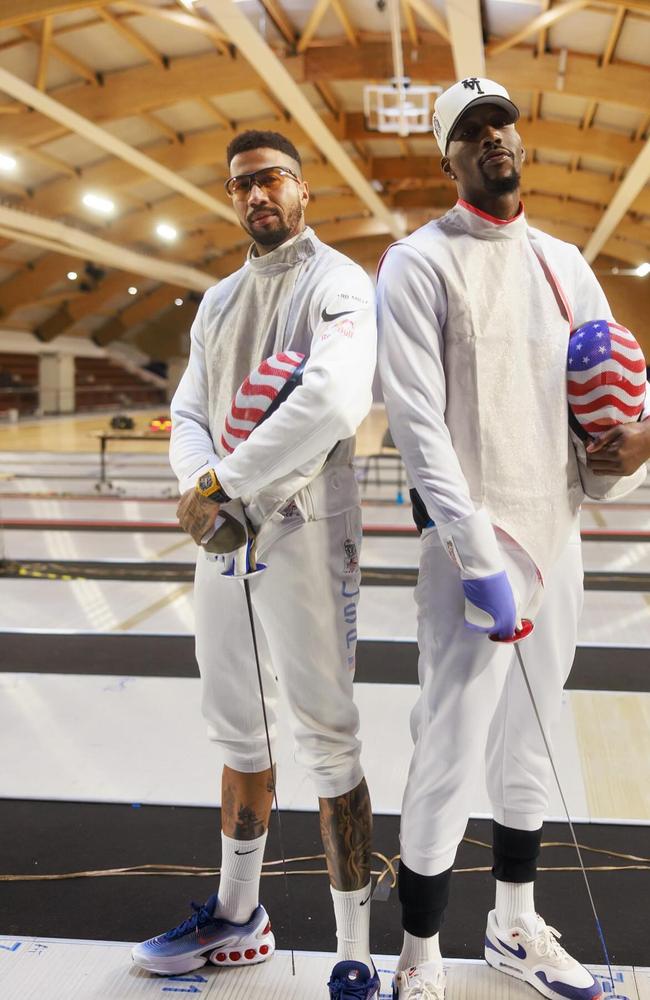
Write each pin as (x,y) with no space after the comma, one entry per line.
(472,546)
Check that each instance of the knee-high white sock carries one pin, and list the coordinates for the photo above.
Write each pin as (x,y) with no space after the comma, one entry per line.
(352,915)
(513,899)
(239,885)
(417,951)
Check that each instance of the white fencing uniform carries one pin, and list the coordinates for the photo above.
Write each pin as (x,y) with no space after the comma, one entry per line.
(474,325)
(295,477)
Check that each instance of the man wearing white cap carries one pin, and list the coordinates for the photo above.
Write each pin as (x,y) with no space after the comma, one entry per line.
(475,311)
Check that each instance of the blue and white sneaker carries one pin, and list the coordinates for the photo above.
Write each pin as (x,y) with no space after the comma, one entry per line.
(203,938)
(353,981)
(531,951)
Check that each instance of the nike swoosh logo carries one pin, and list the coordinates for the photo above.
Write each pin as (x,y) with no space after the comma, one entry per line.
(518,952)
(364,901)
(245,852)
(327,317)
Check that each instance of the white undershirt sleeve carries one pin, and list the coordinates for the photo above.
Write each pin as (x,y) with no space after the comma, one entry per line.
(412,311)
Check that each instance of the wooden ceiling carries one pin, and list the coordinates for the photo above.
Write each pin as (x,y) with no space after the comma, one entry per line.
(173,81)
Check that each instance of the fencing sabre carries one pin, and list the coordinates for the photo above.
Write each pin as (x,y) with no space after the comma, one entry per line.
(243,566)
(521,633)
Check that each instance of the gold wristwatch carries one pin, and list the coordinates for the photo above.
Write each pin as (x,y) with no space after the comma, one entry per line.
(209,486)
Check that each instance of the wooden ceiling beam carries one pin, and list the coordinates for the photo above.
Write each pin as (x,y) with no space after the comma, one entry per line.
(539,134)
(318,13)
(409,20)
(16,12)
(75,310)
(183,19)
(344,18)
(166,335)
(45,271)
(79,67)
(281,21)
(584,77)
(133,38)
(543,33)
(614,35)
(540,22)
(142,88)
(147,88)
(44,53)
(620,249)
(583,185)
(431,17)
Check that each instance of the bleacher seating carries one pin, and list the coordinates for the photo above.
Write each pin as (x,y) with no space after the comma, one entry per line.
(101,383)
(18,383)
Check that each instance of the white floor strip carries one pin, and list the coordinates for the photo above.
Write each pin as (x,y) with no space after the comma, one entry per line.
(59,731)
(51,969)
(609,617)
(111,546)
(630,516)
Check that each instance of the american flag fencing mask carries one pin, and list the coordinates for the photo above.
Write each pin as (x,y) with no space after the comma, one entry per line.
(260,395)
(606,378)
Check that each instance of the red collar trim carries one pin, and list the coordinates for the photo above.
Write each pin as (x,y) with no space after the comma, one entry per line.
(490,218)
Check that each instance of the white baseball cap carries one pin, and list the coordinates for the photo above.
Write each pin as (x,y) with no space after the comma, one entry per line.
(468,93)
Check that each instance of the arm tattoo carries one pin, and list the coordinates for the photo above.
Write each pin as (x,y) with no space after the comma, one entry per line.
(346,830)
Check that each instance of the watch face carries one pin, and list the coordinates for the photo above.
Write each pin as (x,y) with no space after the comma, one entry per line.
(205,481)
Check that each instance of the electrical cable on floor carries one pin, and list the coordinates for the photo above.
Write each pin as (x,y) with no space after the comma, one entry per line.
(387,872)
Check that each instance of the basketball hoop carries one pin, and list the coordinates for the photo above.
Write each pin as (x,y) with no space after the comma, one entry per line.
(397,107)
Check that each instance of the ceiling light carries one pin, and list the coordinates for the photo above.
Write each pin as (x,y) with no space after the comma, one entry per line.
(72,275)
(7,163)
(98,203)
(166,232)
(642,270)
(178,302)
(188,4)
(132,290)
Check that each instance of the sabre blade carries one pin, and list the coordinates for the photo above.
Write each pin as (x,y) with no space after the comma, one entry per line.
(249,605)
(568,816)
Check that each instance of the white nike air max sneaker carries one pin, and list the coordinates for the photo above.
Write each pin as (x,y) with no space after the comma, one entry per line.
(422,982)
(531,951)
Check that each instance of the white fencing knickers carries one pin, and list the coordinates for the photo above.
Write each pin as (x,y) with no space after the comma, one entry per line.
(473,703)
(305,609)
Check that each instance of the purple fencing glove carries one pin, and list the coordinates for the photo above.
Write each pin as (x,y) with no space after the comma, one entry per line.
(490,604)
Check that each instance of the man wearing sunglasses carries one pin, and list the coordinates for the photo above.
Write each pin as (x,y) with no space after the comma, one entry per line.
(295,479)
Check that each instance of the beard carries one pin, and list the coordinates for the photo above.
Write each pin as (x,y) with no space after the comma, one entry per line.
(281,229)
(502,185)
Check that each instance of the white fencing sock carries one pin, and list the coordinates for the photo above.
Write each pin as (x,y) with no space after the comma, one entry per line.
(417,951)
(513,899)
(239,885)
(352,914)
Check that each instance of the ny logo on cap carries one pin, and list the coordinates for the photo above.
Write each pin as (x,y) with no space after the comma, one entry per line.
(472,83)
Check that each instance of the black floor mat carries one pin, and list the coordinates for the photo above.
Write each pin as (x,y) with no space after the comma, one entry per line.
(595,668)
(55,837)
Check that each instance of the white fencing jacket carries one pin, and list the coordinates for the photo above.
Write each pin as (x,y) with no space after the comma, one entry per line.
(303,296)
(474,320)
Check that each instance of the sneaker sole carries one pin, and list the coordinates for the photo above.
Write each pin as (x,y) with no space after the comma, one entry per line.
(179,964)
(525,976)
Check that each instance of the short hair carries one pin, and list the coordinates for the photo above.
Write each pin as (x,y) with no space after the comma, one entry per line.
(258,139)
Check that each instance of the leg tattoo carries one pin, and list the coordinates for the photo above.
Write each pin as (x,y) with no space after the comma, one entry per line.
(246,801)
(346,830)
